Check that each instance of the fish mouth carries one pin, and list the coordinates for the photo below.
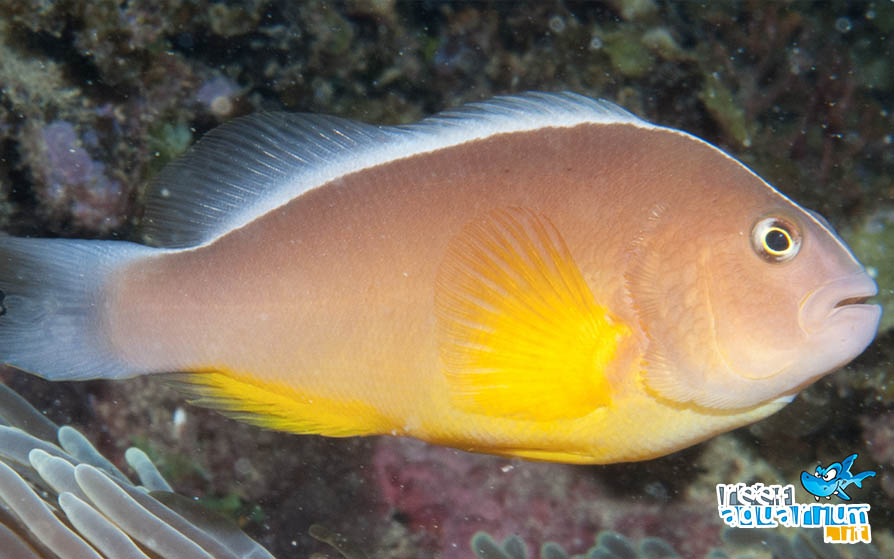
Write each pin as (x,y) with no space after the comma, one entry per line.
(842,304)
(859,300)
(837,323)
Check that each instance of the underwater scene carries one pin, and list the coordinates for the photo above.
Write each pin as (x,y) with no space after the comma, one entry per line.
(445,280)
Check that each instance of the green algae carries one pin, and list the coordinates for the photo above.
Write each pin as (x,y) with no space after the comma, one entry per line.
(660,41)
(725,109)
(628,54)
(168,141)
(173,466)
(233,505)
(31,87)
(635,10)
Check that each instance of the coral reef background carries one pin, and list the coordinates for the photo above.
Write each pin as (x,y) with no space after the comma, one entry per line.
(95,96)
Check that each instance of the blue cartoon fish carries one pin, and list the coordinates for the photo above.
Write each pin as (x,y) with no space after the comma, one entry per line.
(832,480)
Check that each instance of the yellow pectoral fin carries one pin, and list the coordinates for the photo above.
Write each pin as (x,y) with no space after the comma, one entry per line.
(278,406)
(520,333)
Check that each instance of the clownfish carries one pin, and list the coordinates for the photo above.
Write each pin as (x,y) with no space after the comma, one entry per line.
(542,275)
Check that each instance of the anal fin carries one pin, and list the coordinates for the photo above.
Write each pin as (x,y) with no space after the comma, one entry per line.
(278,406)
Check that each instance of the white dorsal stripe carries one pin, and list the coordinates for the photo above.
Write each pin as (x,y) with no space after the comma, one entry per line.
(252,165)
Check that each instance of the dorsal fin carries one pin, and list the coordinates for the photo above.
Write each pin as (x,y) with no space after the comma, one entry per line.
(252,165)
(243,169)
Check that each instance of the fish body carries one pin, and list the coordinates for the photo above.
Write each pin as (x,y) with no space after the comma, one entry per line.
(545,276)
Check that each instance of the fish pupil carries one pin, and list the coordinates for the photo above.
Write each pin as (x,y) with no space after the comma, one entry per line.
(777,240)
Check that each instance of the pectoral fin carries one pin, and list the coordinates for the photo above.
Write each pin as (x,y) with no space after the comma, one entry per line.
(520,332)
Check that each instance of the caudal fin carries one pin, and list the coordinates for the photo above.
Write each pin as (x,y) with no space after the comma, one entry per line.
(51,303)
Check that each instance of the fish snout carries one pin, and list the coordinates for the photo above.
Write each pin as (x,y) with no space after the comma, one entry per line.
(838,311)
(815,485)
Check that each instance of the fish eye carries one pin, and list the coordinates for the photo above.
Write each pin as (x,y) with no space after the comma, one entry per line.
(830,475)
(775,239)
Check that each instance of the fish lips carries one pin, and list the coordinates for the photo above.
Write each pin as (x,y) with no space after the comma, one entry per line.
(836,313)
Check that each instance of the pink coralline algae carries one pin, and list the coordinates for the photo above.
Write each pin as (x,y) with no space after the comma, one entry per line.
(74,183)
(450,495)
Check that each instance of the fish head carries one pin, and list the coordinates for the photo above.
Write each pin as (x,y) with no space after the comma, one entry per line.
(791,305)
(823,482)
(747,301)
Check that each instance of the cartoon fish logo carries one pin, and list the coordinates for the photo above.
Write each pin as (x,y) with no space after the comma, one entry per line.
(833,479)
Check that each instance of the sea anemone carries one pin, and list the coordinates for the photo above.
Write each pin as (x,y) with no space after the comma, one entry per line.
(67,501)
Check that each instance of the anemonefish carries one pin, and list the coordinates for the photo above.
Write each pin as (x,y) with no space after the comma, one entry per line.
(542,275)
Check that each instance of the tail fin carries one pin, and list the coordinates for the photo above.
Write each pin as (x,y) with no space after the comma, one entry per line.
(49,310)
